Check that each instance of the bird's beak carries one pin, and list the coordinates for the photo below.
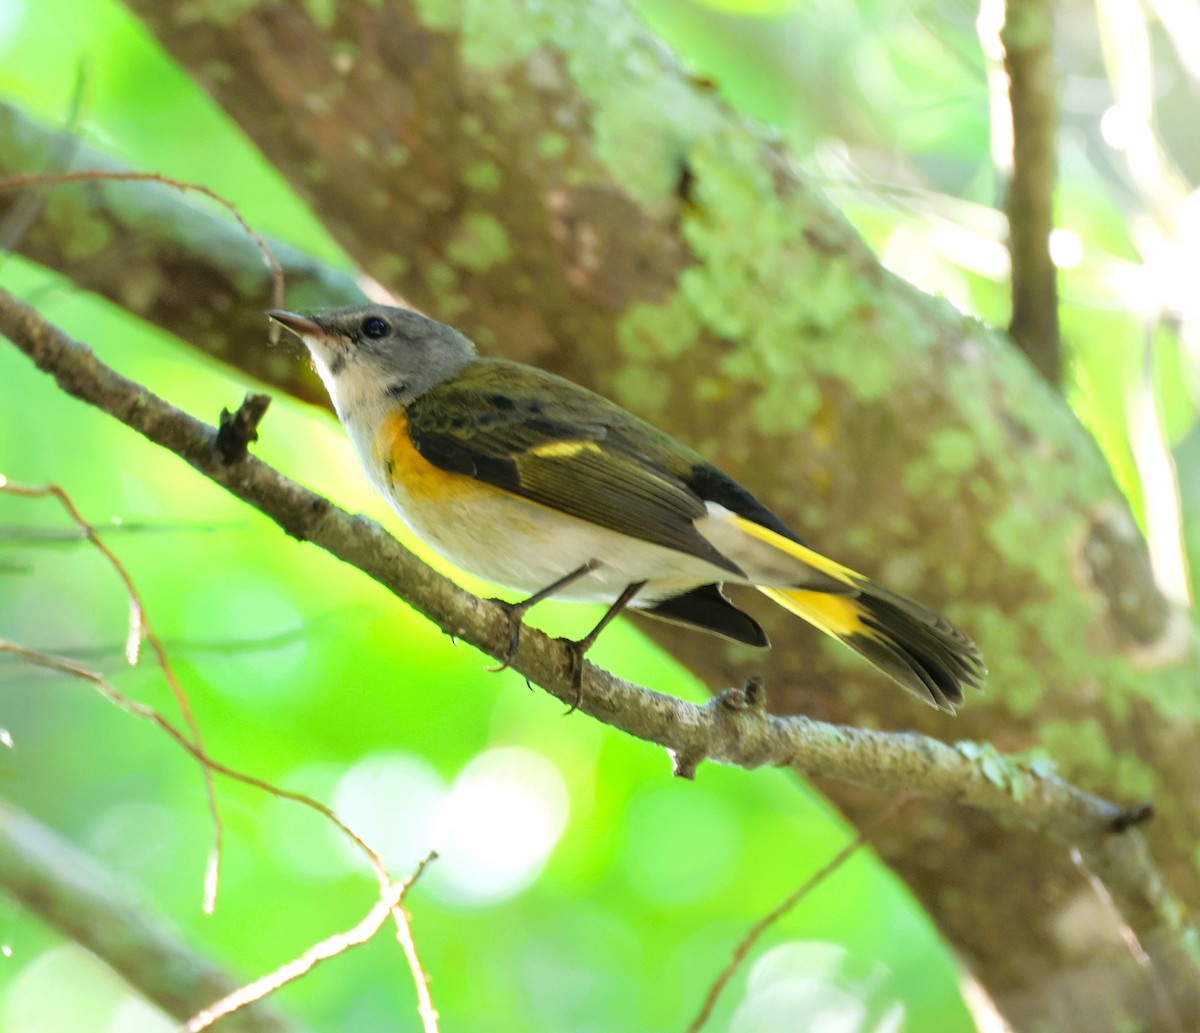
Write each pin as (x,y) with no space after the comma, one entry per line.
(301,326)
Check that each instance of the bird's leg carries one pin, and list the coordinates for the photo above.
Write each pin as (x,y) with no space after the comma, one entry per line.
(517,611)
(580,647)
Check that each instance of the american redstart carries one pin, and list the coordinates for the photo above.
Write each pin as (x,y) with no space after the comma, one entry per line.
(527,480)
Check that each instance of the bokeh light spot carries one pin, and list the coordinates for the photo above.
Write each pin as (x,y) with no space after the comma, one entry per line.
(504,815)
(816,986)
(1066,249)
(34,998)
(391,800)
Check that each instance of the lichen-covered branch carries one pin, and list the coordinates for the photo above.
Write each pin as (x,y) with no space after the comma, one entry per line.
(1027,36)
(733,728)
(181,266)
(71,892)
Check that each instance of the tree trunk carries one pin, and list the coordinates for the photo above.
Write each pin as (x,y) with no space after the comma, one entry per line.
(545,178)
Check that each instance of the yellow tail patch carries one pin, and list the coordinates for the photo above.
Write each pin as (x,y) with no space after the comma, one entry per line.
(922,652)
(836,615)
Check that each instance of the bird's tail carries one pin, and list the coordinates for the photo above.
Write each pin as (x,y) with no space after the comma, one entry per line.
(917,648)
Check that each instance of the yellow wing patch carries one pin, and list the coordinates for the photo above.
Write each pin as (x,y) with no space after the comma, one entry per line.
(563,449)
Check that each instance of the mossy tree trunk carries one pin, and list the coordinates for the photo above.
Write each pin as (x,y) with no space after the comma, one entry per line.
(544,177)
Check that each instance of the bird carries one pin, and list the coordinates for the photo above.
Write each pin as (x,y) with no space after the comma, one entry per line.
(530,481)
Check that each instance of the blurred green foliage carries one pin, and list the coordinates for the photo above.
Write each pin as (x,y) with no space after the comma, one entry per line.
(581,887)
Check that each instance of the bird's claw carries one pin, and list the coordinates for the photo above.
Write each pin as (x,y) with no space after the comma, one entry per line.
(576,651)
(515,613)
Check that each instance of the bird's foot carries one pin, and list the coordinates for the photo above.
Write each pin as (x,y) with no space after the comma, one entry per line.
(576,650)
(515,612)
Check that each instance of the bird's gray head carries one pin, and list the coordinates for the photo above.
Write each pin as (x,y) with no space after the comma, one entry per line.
(371,353)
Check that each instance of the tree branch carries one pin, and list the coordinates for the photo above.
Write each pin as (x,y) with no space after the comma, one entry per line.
(177,265)
(733,728)
(1027,36)
(70,891)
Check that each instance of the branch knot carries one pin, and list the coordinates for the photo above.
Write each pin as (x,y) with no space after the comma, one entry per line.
(238,429)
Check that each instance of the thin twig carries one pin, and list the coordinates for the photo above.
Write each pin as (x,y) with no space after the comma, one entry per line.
(86,175)
(794,898)
(139,627)
(404,936)
(27,208)
(147,713)
(117,247)
(328,948)
(386,883)
(1158,989)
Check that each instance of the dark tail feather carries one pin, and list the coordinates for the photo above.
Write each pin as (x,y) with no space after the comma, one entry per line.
(921,651)
(918,649)
(708,609)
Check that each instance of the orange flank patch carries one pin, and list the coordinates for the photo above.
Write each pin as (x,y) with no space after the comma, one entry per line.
(417,476)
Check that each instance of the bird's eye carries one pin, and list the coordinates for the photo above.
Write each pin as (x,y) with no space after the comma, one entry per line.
(373,326)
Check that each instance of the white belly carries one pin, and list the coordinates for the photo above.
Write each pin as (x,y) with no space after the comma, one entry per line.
(524,546)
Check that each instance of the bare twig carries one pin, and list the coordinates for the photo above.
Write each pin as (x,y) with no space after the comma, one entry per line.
(29,206)
(1029,59)
(68,890)
(404,937)
(139,627)
(115,696)
(328,948)
(387,886)
(88,175)
(794,898)
(1158,991)
(168,261)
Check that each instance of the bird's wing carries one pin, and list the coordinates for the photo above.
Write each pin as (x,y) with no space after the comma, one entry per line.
(561,446)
